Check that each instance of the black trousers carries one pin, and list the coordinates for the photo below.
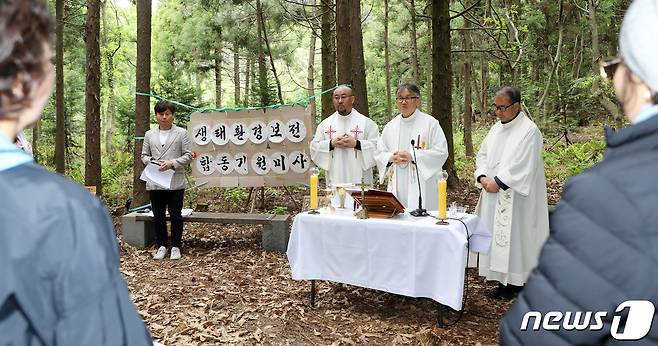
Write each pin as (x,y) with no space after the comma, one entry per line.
(161,200)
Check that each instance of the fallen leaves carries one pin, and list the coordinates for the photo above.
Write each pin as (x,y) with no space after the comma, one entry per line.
(226,290)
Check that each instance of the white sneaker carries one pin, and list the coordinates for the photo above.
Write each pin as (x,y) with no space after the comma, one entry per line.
(175,253)
(162,251)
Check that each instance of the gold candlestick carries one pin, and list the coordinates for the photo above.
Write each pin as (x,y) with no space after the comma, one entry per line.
(363,213)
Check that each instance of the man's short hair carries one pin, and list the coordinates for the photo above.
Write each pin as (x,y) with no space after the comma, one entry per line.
(412,87)
(163,105)
(345,86)
(513,93)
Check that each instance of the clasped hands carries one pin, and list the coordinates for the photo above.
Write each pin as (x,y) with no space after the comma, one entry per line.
(400,157)
(164,164)
(344,141)
(489,185)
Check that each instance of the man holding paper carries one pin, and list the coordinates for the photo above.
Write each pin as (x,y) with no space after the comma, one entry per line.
(166,148)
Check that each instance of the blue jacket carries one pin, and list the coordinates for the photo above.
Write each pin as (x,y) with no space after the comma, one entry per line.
(603,245)
(59,266)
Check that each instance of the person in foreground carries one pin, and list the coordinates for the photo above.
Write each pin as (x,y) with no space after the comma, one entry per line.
(603,246)
(513,203)
(60,282)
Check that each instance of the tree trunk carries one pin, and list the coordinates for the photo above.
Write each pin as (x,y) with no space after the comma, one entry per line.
(218,70)
(442,80)
(428,77)
(93,98)
(142,104)
(608,105)
(60,126)
(262,71)
(580,56)
(555,64)
(269,53)
(358,60)
(108,131)
(236,71)
(468,92)
(387,63)
(484,85)
(413,40)
(343,47)
(36,133)
(351,64)
(247,77)
(310,79)
(328,56)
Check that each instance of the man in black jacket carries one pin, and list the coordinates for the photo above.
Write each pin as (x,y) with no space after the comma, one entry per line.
(603,248)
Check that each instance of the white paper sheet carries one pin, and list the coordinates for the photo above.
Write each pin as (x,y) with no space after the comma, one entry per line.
(152,174)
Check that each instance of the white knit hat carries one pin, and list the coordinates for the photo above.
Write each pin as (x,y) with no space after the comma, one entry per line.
(638,41)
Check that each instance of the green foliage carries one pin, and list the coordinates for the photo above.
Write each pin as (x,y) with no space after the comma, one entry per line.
(564,161)
(187,35)
(279,210)
(273,191)
(235,195)
(117,178)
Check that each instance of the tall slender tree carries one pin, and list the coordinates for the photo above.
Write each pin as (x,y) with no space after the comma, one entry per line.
(218,68)
(236,71)
(442,79)
(310,76)
(387,63)
(349,50)
(60,126)
(93,98)
(413,39)
(109,54)
(142,103)
(468,92)
(262,71)
(328,39)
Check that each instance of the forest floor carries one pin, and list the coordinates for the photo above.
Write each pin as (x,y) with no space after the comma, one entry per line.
(226,290)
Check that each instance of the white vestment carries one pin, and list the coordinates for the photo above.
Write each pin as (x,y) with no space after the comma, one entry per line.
(431,154)
(346,165)
(517,217)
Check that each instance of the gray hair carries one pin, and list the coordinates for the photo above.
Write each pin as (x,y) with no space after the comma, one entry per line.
(513,93)
(408,86)
(637,41)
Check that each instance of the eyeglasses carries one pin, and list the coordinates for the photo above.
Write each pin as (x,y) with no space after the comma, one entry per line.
(408,99)
(501,108)
(608,67)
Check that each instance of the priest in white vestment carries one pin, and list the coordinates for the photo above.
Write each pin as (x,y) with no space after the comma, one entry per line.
(345,143)
(513,202)
(395,161)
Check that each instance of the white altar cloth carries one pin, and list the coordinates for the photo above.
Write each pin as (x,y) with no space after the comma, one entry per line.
(405,255)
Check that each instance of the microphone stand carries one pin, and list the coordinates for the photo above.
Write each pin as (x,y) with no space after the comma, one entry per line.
(420,211)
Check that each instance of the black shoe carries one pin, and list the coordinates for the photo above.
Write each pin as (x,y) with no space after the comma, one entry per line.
(502,292)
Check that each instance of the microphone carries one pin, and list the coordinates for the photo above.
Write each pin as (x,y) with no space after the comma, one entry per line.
(420,211)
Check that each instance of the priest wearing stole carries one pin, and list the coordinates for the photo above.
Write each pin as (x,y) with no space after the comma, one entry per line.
(395,160)
(513,204)
(345,143)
